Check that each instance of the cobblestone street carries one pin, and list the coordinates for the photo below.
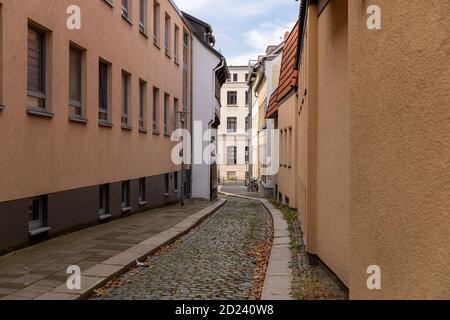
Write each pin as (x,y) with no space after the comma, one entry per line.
(214,261)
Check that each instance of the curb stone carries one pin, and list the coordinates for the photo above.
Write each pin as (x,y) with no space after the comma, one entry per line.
(279,275)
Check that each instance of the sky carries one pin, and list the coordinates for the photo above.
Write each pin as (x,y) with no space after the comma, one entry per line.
(244,28)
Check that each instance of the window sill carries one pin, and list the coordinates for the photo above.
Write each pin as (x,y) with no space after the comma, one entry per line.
(232,106)
(126,209)
(167,135)
(167,55)
(105,217)
(126,127)
(78,119)
(38,231)
(142,203)
(2,107)
(156,132)
(156,43)
(166,195)
(176,62)
(127,19)
(143,33)
(105,124)
(40,113)
(143,131)
(175,191)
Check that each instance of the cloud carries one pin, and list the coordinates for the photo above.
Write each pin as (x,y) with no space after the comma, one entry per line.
(267,33)
(229,8)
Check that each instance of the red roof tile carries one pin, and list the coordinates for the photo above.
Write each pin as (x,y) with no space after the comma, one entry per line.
(288,74)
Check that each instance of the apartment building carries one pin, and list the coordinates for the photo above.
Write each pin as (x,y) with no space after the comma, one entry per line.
(87,112)
(372,140)
(210,72)
(234,124)
(262,82)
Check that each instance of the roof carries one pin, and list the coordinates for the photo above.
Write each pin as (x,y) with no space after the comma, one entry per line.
(272,109)
(288,74)
(203,32)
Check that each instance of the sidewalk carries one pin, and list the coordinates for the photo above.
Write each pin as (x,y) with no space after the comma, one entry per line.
(35,271)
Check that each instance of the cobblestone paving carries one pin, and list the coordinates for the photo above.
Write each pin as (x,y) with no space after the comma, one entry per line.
(212,262)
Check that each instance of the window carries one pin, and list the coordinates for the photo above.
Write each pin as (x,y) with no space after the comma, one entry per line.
(290,148)
(167,183)
(36,68)
(142,191)
(232,98)
(143,16)
(175,113)
(232,155)
(37,212)
(103,92)
(75,82)
(232,124)
(155,109)
(175,179)
(246,77)
(126,196)
(166,113)
(125,98)
(142,103)
(176,35)
(167,34)
(247,100)
(247,154)
(103,207)
(156,12)
(125,8)
(235,77)
(247,123)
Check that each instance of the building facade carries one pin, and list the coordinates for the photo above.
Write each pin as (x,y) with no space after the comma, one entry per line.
(210,72)
(283,109)
(371,166)
(88,112)
(234,124)
(263,80)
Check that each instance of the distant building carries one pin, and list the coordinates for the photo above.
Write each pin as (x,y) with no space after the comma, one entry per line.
(233,136)
(210,72)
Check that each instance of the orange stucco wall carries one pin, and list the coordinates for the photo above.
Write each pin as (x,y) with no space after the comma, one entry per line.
(41,155)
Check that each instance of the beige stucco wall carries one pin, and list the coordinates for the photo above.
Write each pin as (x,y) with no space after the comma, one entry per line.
(332,215)
(400,149)
(40,155)
(286,177)
(307,132)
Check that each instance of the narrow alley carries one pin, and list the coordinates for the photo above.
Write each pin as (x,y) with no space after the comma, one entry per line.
(218,260)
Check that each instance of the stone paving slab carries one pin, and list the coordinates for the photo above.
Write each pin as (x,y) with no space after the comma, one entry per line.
(45,264)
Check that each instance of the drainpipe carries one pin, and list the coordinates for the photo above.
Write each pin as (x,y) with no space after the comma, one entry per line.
(213,115)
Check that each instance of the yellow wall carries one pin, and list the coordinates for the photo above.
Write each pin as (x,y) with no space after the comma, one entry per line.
(374,146)
(333,142)
(287,175)
(400,149)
